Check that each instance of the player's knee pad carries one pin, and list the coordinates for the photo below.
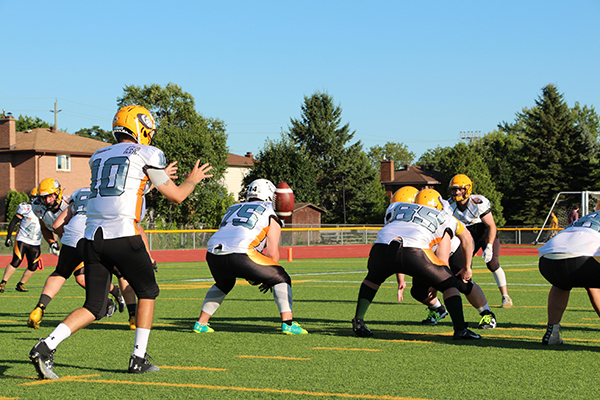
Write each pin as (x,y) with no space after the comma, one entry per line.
(465,288)
(447,284)
(280,277)
(419,293)
(150,292)
(494,264)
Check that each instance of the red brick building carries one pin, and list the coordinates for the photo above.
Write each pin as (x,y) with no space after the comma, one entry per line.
(419,176)
(28,157)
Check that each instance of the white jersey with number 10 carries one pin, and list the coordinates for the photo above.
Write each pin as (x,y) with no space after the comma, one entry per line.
(118,184)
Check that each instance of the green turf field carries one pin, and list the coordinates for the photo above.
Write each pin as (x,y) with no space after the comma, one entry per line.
(248,357)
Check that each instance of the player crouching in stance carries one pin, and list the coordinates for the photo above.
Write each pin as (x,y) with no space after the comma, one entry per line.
(403,246)
(119,174)
(460,254)
(247,246)
(568,260)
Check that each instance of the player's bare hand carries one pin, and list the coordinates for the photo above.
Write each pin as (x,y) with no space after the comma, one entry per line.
(401,292)
(199,173)
(171,170)
(466,274)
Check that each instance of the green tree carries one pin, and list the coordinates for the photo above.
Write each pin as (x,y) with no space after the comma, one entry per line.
(500,152)
(25,123)
(558,153)
(12,201)
(346,179)
(97,133)
(587,119)
(185,136)
(280,161)
(397,152)
(462,159)
(433,156)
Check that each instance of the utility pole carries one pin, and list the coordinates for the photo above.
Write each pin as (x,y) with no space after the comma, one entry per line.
(55,111)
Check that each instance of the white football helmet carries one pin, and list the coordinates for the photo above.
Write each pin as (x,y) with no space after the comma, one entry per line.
(261,189)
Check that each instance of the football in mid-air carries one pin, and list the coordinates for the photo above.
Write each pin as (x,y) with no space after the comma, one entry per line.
(284,200)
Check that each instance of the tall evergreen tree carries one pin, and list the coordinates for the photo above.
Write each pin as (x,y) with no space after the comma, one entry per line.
(547,132)
(345,177)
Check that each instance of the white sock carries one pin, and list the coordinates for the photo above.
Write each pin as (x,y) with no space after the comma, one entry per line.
(213,299)
(484,308)
(60,333)
(282,294)
(436,305)
(141,342)
(499,277)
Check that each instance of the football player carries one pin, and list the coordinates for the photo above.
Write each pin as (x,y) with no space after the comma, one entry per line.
(119,175)
(475,211)
(70,226)
(404,246)
(568,260)
(461,245)
(48,206)
(28,241)
(247,246)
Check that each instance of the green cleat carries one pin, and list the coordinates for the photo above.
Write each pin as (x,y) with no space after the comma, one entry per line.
(293,329)
(202,328)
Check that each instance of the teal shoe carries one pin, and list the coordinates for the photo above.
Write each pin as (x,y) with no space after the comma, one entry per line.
(202,328)
(293,329)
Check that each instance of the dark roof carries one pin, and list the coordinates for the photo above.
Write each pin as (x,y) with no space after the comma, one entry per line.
(299,206)
(41,140)
(233,160)
(417,175)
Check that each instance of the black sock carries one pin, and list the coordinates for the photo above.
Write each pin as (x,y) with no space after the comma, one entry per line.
(454,306)
(366,295)
(44,300)
(115,291)
(131,309)
(288,322)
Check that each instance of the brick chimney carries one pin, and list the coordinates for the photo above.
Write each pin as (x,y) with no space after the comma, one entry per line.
(387,171)
(249,155)
(8,134)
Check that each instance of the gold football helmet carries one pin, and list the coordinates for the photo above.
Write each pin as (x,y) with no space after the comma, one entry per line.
(405,194)
(48,187)
(461,181)
(429,197)
(135,121)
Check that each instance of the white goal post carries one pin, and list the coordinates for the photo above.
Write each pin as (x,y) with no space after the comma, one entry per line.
(562,206)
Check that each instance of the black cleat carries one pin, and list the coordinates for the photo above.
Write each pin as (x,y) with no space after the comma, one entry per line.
(359,327)
(110,309)
(139,365)
(21,287)
(43,360)
(465,334)
(120,301)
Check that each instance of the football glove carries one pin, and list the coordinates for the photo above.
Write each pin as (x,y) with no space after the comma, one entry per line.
(8,242)
(54,248)
(265,288)
(488,253)
(155,266)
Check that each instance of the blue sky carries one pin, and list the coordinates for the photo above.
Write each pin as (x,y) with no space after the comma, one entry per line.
(402,71)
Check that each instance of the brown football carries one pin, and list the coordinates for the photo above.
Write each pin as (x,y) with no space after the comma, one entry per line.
(284,200)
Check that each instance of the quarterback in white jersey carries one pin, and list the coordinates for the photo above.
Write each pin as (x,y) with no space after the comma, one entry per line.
(568,260)
(404,246)
(120,174)
(475,211)
(247,246)
(28,241)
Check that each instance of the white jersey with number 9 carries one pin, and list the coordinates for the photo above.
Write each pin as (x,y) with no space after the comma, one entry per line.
(119,181)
